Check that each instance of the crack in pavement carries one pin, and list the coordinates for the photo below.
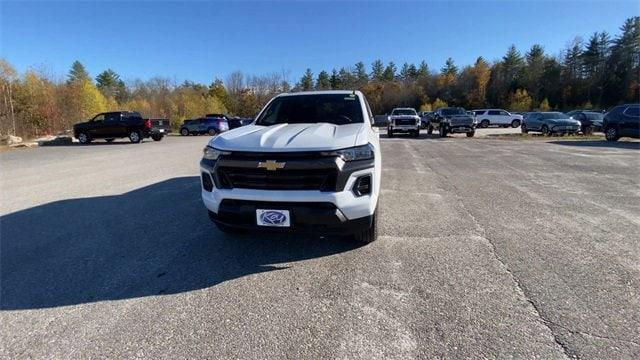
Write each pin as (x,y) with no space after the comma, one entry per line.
(587,334)
(565,348)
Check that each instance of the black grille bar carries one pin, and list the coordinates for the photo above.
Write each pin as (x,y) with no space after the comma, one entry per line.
(282,179)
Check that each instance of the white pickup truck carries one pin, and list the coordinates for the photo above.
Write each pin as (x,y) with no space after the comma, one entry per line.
(309,163)
(488,117)
(404,120)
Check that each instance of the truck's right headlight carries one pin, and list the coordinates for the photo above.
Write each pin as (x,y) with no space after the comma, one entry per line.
(364,152)
(210,153)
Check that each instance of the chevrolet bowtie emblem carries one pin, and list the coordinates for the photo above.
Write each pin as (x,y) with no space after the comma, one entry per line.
(271,165)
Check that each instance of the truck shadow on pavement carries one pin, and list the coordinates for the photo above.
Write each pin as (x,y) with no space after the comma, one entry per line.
(150,241)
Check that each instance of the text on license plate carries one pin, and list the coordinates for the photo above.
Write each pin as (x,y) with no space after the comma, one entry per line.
(278,218)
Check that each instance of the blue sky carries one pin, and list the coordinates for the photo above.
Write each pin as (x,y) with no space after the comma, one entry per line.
(200,40)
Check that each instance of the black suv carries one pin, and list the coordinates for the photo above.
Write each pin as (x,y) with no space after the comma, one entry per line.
(117,124)
(622,121)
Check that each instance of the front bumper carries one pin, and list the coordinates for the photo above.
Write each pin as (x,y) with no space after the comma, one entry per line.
(460,128)
(305,217)
(404,128)
(350,205)
(343,199)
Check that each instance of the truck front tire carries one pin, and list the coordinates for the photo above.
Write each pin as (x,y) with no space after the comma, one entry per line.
(84,138)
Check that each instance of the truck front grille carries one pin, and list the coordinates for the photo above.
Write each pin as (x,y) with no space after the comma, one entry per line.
(282,179)
(399,122)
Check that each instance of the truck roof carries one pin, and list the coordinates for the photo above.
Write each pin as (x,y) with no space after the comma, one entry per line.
(320,92)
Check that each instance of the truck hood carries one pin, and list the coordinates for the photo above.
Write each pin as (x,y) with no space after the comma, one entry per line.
(398,117)
(291,137)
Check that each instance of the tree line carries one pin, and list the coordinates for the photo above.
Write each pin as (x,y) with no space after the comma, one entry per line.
(598,73)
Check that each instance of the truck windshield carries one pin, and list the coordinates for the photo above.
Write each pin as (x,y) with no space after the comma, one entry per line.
(453,111)
(403,112)
(338,109)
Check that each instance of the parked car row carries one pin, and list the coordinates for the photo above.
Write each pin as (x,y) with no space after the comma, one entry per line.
(621,121)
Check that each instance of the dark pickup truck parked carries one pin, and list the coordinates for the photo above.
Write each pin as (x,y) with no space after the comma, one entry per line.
(452,120)
(117,124)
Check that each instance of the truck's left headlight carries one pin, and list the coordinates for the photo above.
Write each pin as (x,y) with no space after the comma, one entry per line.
(364,152)
(210,153)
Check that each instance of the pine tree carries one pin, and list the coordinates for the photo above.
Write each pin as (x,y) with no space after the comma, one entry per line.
(347,79)
(335,80)
(594,61)
(533,71)
(413,72)
(423,69)
(323,82)
(404,72)
(572,69)
(449,68)
(389,73)
(624,63)
(306,82)
(361,74)
(78,73)
(512,65)
(110,85)
(377,70)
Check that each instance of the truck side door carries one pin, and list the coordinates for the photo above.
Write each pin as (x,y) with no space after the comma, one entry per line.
(111,125)
(94,127)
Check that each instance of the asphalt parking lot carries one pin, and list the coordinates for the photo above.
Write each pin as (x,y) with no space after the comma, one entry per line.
(489,248)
